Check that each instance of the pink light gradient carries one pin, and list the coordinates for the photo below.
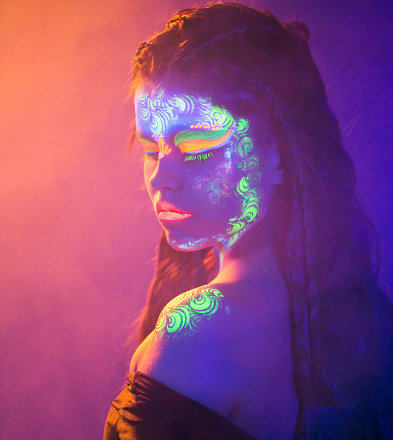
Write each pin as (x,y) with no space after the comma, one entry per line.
(77,234)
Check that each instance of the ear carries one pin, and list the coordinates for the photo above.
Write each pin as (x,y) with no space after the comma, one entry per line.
(274,163)
(278,177)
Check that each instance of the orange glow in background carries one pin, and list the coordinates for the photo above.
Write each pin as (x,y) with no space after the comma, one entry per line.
(73,218)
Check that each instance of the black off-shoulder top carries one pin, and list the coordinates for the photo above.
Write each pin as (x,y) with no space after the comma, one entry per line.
(148,410)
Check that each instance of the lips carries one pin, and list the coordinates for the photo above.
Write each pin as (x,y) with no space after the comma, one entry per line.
(168,212)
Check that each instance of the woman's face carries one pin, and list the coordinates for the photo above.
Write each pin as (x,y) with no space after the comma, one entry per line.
(209,176)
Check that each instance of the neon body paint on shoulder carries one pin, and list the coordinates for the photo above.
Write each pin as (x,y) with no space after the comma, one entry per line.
(187,313)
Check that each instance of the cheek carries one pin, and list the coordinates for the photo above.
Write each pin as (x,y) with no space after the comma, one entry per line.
(148,171)
(219,184)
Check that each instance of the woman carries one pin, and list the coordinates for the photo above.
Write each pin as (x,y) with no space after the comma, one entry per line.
(264,319)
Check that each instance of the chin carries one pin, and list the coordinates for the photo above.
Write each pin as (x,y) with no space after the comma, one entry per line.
(191,244)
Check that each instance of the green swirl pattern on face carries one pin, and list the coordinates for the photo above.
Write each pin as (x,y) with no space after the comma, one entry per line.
(246,187)
(186,313)
(242,126)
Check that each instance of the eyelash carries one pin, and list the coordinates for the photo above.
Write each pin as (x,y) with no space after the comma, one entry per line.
(200,157)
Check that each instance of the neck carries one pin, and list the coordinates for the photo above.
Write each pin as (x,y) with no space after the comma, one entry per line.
(251,255)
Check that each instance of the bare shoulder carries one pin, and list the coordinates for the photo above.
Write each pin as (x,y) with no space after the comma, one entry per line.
(180,326)
(214,326)
(188,314)
(225,346)
(185,351)
(140,353)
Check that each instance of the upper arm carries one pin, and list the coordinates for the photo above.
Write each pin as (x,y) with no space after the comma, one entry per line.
(185,352)
(140,353)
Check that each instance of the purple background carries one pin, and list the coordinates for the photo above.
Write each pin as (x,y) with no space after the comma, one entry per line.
(77,233)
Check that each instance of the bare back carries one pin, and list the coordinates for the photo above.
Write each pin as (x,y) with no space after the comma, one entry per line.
(233,358)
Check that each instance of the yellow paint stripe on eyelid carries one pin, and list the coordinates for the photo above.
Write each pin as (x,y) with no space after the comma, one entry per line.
(200,145)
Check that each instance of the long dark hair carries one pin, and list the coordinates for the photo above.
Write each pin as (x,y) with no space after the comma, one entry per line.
(246,60)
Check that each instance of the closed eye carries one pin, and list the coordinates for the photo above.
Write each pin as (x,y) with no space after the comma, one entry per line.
(195,142)
(150,147)
(200,157)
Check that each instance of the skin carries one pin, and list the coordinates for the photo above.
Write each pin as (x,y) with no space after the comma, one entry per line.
(225,344)
(202,160)
(185,314)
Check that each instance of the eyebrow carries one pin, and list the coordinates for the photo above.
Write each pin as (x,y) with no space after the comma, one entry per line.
(151,147)
(198,141)
(142,138)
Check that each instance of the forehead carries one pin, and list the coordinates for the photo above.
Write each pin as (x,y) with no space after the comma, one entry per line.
(162,112)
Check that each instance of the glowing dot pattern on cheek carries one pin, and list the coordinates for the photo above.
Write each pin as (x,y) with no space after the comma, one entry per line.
(186,314)
(218,184)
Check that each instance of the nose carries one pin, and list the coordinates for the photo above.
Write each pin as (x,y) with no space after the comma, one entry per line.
(166,174)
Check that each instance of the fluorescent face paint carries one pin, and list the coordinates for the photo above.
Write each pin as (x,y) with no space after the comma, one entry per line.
(159,146)
(208,167)
(186,314)
(247,188)
(199,141)
(160,111)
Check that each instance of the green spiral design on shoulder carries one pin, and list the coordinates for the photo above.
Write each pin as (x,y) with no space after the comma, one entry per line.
(163,320)
(186,313)
(178,319)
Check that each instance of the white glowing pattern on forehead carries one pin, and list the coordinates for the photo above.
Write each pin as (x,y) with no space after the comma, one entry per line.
(159,112)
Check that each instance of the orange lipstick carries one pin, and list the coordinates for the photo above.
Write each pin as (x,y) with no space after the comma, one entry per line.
(168,212)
